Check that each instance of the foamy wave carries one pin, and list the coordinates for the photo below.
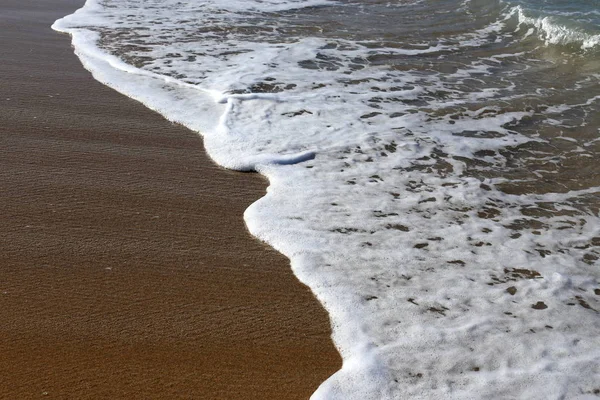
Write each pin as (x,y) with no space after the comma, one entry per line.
(554,33)
(385,166)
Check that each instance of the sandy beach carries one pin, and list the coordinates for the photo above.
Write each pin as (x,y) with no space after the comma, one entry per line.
(126,270)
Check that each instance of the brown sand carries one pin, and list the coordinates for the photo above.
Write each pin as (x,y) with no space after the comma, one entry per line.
(126,270)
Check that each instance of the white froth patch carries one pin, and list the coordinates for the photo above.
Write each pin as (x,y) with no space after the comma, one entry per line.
(383,189)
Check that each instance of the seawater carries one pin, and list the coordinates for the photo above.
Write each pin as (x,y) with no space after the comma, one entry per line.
(433,171)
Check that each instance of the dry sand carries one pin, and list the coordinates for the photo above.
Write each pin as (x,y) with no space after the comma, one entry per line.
(126,270)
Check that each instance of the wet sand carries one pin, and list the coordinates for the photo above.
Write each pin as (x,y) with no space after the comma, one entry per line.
(126,270)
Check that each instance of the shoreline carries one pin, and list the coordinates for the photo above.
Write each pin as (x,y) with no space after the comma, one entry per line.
(128,271)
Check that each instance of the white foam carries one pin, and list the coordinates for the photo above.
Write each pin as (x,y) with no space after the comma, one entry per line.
(373,194)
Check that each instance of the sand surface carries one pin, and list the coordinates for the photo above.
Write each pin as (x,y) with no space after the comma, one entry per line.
(126,270)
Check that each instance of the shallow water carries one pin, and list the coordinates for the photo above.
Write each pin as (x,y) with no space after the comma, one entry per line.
(433,170)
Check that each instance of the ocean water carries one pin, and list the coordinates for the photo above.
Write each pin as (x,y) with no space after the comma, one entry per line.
(433,166)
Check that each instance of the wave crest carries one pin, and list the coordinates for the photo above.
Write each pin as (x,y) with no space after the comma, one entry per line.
(553,32)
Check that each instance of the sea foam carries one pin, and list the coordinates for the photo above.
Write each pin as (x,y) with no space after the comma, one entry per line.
(411,177)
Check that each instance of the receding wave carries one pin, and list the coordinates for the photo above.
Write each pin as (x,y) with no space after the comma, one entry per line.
(433,173)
